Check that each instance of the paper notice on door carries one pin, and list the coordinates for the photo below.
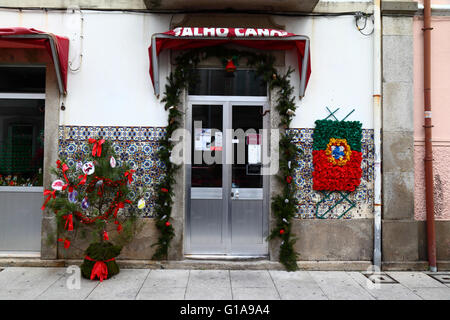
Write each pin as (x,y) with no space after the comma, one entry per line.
(206,139)
(253,138)
(217,141)
(254,154)
(198,139)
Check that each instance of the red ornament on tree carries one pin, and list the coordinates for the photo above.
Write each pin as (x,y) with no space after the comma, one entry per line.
(66,243)
(289,179)
(164,190)
(282,231)
(230,67)
(167,224)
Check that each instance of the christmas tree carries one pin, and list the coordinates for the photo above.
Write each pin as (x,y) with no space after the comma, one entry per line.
(95,195)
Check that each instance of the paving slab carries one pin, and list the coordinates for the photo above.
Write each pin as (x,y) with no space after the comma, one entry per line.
(167,278)
(433,293)
(60,290)
(384,291)
(255,294)
(27,283)
(161,293)
(416,280)
(250,279)
(298,285)
(209,285)
(340,286)
(123,286)
(213,293)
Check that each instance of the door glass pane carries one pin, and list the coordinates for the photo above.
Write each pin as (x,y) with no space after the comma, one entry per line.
(218,82)
(247,147)
(21,142)
(207,128)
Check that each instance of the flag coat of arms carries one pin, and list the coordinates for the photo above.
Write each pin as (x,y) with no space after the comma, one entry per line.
(337,155)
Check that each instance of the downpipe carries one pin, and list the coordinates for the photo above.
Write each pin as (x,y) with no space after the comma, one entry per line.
(377,132)
(428,161)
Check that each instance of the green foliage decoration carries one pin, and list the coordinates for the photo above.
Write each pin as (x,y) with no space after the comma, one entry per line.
(284,204)
(94,204)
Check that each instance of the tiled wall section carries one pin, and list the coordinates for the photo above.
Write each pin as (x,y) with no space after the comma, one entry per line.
(139,145)
(308,198)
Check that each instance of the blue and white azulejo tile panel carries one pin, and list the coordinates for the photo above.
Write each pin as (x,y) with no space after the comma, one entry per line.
(138,146)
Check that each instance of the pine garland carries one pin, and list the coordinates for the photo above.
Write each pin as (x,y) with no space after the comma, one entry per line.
(283,205)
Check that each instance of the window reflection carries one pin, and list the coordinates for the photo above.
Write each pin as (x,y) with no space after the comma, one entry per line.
(206,135)
(218,82)
(21,142)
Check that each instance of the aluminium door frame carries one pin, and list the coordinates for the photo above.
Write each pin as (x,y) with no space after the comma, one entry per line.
(227,102)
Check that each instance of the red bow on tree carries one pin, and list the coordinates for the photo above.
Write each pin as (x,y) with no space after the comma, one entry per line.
(69,222)
(50,194)
(119,226)
(64,169)
(83,179)
(100,270)
(66,243)
(97,149)
(129,175)
(120,205)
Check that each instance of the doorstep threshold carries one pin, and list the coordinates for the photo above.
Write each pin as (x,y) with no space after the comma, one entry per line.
(211,257)
(20,254)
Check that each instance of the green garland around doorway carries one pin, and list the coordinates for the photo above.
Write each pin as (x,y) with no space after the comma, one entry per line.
(283,205)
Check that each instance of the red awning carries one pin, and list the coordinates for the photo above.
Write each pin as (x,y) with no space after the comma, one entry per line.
(264,39)
(56,46)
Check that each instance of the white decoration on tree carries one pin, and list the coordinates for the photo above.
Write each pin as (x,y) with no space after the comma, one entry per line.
(112,162)
(88,168)
(141,204)
(57,185)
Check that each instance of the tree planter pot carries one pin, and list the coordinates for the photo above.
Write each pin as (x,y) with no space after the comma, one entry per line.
(100,263)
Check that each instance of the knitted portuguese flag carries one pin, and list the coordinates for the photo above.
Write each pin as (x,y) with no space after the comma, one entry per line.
(337,155)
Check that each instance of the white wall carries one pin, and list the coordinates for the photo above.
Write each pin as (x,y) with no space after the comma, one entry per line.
(113,86)
(342,70)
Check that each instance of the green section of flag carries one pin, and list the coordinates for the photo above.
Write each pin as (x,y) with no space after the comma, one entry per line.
(327,129)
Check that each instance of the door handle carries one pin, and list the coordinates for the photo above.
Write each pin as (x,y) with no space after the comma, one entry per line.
(235,194)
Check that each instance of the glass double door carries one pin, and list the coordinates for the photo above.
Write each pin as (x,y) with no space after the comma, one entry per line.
(227,207)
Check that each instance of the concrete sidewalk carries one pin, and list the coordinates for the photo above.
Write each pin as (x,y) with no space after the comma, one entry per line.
(51,283)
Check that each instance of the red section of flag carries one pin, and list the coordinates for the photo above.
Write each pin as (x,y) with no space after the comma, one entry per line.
(329,177)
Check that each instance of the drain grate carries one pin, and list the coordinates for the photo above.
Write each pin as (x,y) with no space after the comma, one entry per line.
(380,277)
(441,277)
